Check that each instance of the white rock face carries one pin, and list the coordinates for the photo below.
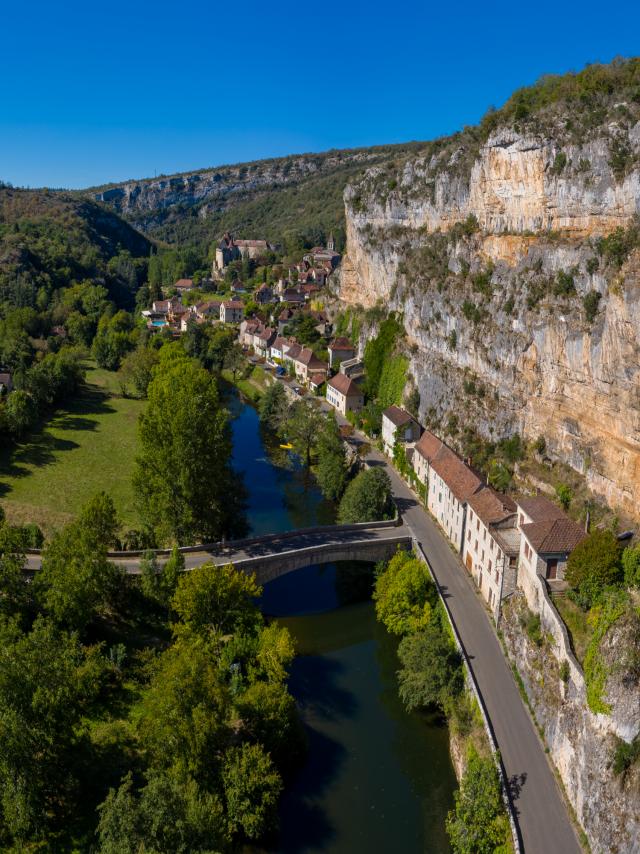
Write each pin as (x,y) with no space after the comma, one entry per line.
(575,382)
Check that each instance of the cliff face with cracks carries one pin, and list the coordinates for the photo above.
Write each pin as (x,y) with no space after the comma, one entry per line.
(495,258)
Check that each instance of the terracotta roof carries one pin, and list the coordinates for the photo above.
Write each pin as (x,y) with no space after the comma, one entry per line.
(294,351)
(308,357)
(461,480)
(344,384)
(285,314)
(341,344)
(428,445)
(255,244)
(397,416)
(280,342)
(554,536)
(184,283)
(265,333)
(317,379)
(541,509)
(490,506)
(233,303)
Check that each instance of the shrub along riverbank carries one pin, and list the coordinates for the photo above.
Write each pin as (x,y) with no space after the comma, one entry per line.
(431,677)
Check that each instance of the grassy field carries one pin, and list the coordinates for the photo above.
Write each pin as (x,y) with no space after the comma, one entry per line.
(87,446)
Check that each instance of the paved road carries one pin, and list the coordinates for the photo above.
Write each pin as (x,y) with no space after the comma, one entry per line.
(540,812)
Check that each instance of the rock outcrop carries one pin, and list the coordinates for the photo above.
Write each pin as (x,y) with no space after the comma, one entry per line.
(494,257)
(581,743)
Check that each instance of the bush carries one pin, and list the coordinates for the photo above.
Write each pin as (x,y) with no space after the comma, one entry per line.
(625,755)
(478,824)
(594,564)
(590,302)
(631,566)
(367,498)
(431,673)
(404,595)
(565,495)
(531,624)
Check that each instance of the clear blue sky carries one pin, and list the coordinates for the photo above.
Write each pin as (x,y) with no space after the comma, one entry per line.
(96,92)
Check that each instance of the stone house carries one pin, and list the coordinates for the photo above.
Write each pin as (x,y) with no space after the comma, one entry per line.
(293,296)
(264,294)
(398,425)
(209,310)
(451,485)
(263,338)
(353,368)
(229,249)
(340,350)
(231,311)
(548,536)
(306,362)
(425,450)
(183,286)
(248,328)
(492,545)
(344,394)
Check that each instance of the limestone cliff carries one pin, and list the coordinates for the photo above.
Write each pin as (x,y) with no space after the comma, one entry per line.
(491,245)
(581,743)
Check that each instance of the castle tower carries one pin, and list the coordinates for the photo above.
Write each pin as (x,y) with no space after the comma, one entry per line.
(331,244)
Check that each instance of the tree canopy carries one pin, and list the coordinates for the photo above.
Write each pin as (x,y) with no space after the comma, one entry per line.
(367,498)
(184,483)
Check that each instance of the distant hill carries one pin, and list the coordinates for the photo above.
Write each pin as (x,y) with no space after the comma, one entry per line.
(292,200)
(50,239)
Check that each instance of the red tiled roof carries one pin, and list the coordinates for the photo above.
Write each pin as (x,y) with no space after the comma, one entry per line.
(491,506)
(461,480)
(554,536)
(428,445)
(280,342)
(345,385)
(317,379)
(541,509)
(233,303)
(294,351)
(341,344)
(184,283)
(397,415)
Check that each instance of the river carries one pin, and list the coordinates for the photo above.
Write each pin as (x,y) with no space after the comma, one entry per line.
(376,778)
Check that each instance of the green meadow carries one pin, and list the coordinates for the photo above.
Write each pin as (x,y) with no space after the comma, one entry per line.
(87,446)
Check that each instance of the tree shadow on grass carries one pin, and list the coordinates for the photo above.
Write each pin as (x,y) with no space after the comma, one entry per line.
(42,447)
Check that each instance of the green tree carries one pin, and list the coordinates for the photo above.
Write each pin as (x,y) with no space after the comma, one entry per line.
(168,816)
(149,574)
(136,369)
(233,360)
(273,407)
(218,599)
(431,673)
(14,589)
(565,495)
(631,566)
(594,564)
(170,575)
(47,681)
(404,594)
(332,471)
(478,824)
(76,579)
(183,480)
(367,498)
(184,715)
(302,428)
(20,413)
(252,787)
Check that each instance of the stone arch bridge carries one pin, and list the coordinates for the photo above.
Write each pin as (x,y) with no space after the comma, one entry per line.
(273,555)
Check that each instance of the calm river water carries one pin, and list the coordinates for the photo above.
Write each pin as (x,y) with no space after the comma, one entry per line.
(376,779)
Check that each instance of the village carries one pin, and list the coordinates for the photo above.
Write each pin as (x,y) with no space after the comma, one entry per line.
(503,543)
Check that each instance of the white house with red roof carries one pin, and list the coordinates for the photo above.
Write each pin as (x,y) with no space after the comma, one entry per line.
(344,394)
(548,536)
(451,485)
(231,311)
(398,425)
(492,544)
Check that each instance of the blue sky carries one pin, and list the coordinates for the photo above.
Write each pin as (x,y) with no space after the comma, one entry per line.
(97,92)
